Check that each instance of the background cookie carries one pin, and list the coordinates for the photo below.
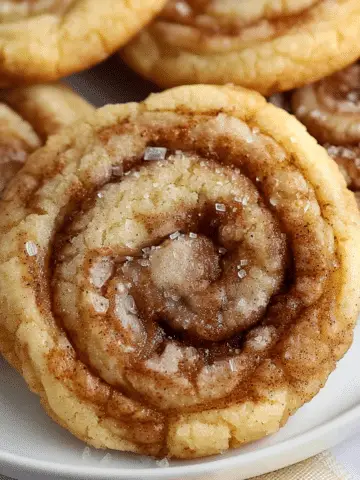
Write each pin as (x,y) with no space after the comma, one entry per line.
(268,46)
(178,276)
(330,109)
(28,116)
(45,40)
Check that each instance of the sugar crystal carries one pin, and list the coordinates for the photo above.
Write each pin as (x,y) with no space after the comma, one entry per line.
(220,207)
(241,273)
(86,453)
(164,463)
(31,249)
(155,153)
(232,365)
(106,458)
(174,235)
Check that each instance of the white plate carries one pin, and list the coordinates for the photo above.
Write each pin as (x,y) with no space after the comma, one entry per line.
(32,446)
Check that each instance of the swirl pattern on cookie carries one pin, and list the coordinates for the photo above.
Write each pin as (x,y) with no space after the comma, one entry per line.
(188,269)
(330,109)
(44,40)
(27,117)
(246,42)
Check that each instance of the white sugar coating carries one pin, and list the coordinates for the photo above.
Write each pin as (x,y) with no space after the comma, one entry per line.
(220,207)
(273,201)
(244,262)
(124,311)
(222,250)
(182,265)
(144,263)
(164,463)
(261,337)
(31,249)
(146,250)
(121,288)
(307,206)
(155,153)
(100,303)
(86,453)
(101,271)
(192,235)
(106,458)
(100,194)
(168,361)
(129,259)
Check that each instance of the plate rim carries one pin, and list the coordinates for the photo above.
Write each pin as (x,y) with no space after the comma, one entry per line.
(286,446)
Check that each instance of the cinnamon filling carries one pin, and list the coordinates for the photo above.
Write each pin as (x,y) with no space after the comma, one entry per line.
(184,268)
(330,109)
(187,21)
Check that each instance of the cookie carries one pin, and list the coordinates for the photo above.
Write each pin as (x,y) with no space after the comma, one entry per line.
(28,116)
(179,276)
(330,109)
(44,40)
(268,46)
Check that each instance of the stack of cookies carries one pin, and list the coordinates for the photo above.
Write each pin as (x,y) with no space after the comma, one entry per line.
(179,276)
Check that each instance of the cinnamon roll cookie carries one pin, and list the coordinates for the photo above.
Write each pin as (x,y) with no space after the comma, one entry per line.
(265,45)
(43,40)
(330,109)
(27,116)
(179,276)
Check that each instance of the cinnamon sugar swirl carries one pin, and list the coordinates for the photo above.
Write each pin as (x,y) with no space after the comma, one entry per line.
(330,109)
(185,272)
(268,46)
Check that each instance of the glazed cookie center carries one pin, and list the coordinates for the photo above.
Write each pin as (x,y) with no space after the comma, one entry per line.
(13,10)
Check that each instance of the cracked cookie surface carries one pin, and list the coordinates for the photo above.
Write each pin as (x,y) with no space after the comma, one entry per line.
(44,40)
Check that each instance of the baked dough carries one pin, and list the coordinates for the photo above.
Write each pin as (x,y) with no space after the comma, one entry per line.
(330,109)
(43,40)
(265,45)
(28,116)
(179,276)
